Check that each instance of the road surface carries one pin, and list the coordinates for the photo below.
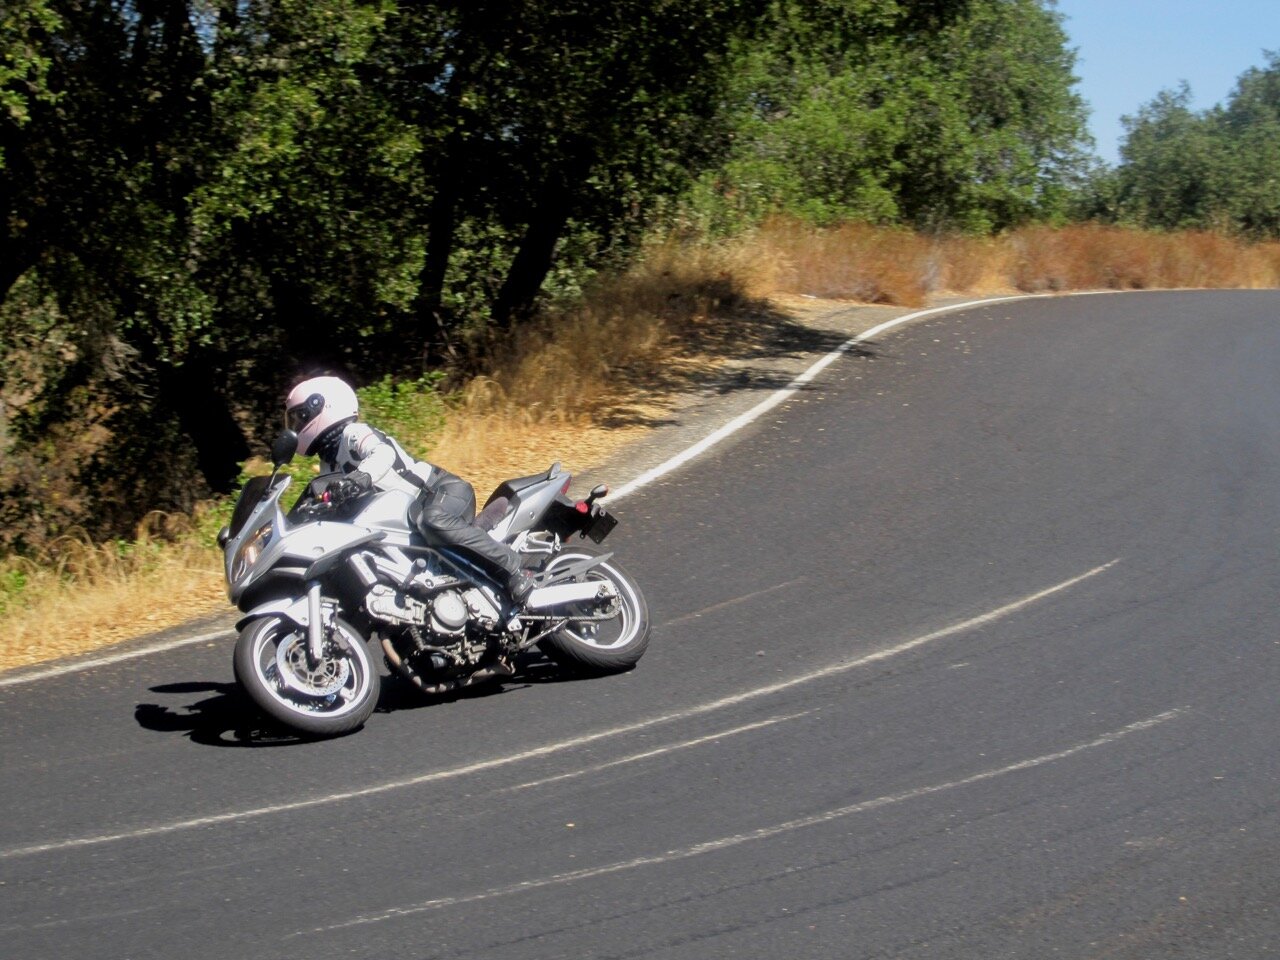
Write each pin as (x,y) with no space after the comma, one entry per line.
(967,650)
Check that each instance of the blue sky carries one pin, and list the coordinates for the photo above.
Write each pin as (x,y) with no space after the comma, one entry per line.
(1129,50)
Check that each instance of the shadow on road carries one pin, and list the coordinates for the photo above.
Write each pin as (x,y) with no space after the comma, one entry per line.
(532,669)
(734,351)
(226,717)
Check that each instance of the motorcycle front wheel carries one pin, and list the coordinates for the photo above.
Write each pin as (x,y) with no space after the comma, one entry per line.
(332,697)
(601,646)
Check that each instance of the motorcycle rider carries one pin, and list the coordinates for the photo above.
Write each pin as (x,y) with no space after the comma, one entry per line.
(325,414)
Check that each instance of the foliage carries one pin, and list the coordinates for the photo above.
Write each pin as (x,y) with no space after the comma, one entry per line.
(412,411)
(203,200)
(13,581)
(859,114)
(1214,169)
(25,26)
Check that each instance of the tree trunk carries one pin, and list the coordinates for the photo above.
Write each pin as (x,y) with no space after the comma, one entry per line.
(205,414)
(15,260)
(551,212)
(442,225)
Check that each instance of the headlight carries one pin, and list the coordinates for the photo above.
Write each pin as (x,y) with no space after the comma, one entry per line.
(249,552)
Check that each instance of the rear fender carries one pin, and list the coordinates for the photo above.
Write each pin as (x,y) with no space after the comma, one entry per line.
(572,571)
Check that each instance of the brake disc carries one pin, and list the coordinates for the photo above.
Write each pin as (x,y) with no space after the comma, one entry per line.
(327,678)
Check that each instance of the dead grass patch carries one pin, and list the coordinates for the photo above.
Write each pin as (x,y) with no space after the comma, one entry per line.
(1095,257)
(586,379)
(81,595)
(973,265)
(851,262)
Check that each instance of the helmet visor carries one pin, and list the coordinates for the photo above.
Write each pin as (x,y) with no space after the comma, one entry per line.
(299,415)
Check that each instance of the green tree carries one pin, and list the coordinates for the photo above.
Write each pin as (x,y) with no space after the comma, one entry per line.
(1214,169)
(24,64)
(95,286)
(551,126)
(998,133)
(938,115)
(203,197)
(1250,126)
(1173,169)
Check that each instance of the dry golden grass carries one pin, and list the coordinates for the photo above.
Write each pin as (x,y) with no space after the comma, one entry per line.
(583,381)
(973,265)
(1094,257)
(82,595)
(881,265)
(851,262)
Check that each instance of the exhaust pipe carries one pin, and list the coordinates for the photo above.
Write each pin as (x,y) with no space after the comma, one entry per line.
(406,671)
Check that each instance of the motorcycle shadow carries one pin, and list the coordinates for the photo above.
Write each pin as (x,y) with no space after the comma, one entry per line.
(532,669)
(228,718)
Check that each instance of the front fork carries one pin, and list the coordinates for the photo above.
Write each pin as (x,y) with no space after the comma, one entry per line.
(315,626)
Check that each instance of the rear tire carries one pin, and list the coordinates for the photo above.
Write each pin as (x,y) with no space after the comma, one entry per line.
(335,698)
(610,646)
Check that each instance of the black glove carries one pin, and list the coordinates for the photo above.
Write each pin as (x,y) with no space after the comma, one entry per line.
(350,487)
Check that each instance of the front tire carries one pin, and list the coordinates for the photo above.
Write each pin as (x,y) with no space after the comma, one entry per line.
(333,698)
(610,646)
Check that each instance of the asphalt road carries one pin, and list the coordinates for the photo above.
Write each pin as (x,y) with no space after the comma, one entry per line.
(968,651)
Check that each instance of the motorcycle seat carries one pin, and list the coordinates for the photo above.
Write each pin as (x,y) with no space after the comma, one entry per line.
(486,519)
(492,513)
(524,483)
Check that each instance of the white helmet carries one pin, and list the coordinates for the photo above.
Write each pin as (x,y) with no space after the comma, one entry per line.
(315,406)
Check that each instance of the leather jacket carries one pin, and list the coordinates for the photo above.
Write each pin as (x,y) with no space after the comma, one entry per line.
(360,449)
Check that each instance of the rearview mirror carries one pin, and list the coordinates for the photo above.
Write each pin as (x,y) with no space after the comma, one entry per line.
(283,449)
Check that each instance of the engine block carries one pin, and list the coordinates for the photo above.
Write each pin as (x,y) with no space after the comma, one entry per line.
(393,606)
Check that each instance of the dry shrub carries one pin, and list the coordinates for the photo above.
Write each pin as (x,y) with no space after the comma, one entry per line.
(578,366)
(1086,257)
(1095,257)
(973,265)
(1267,264)
(80,595)
(562,366)
(1198,259)
(851,262)
(892,266)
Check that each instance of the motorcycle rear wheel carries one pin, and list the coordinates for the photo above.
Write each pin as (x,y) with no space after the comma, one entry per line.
(610,646)
(333,698)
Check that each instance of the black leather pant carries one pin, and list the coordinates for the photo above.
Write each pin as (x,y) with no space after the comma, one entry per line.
(448,518)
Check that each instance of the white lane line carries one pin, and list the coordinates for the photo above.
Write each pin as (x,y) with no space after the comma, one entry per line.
(646,478)
(657,752)
(80,665)
(726,604)
(564,745)
(561,746)
(763,833)
(784,394)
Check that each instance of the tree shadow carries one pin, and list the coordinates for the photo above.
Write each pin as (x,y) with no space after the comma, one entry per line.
(751,338)
(228,718)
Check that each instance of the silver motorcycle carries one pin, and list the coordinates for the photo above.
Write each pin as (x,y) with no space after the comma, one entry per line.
(321,581)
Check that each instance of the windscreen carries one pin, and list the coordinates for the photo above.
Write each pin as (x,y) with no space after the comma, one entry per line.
(250,497)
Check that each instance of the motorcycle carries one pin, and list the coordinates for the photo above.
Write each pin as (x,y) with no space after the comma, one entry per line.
(319,583)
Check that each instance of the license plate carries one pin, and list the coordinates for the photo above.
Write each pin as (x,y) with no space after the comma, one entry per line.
(601,526)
